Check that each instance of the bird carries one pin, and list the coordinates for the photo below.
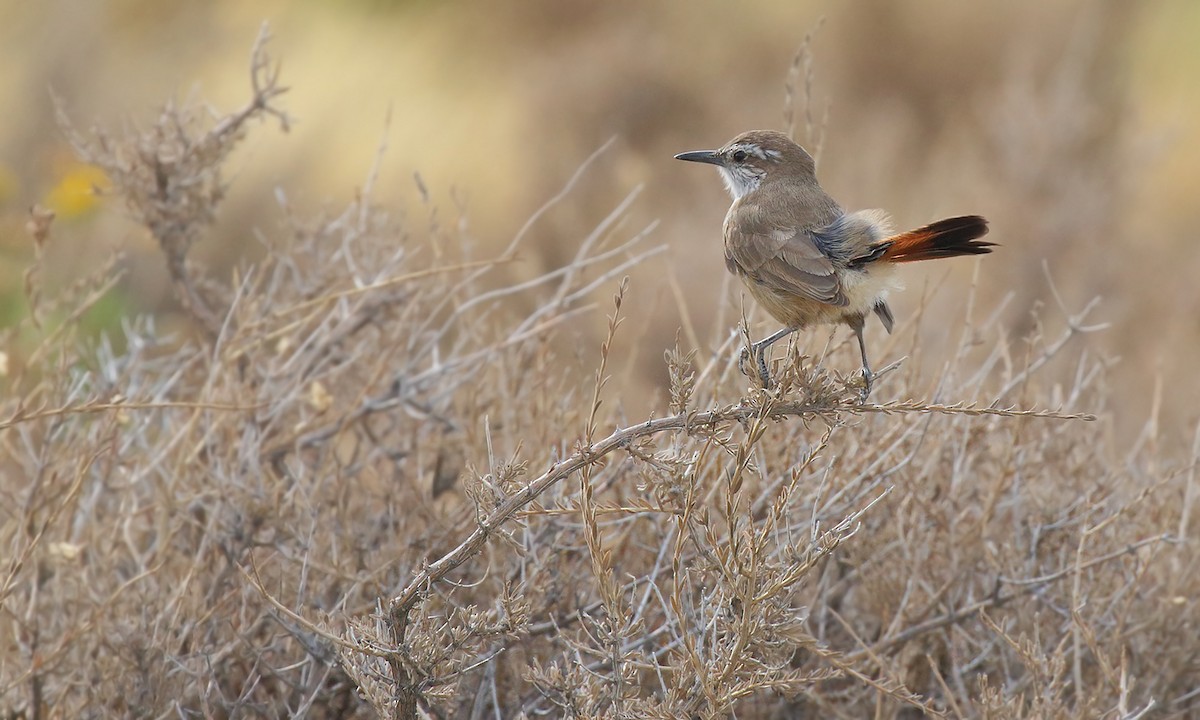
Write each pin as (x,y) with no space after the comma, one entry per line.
(803,258)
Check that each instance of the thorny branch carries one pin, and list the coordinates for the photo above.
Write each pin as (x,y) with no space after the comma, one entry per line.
(746,410)
(169,174)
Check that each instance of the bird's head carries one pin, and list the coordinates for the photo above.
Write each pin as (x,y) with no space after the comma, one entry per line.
(755,157)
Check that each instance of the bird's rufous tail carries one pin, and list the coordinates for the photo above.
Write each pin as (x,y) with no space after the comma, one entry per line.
(945,238)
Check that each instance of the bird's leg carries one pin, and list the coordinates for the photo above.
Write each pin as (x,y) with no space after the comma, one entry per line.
(867,375)
(759,351)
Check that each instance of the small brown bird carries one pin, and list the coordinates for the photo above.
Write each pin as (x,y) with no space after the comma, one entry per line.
(805,259)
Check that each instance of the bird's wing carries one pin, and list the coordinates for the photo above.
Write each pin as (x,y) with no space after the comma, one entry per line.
(855,239)
(787,262)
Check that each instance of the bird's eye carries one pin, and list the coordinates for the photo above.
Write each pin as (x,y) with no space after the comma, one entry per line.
(739,156)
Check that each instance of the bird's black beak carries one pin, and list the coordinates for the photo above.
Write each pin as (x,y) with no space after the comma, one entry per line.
(703,156)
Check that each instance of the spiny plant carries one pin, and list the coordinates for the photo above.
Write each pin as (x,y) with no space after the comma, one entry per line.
(375,486)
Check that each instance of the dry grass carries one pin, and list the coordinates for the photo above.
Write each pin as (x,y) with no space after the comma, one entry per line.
(372,488)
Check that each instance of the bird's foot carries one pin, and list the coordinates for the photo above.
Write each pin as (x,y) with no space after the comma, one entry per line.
(868,382)
(764,375)
(743,361)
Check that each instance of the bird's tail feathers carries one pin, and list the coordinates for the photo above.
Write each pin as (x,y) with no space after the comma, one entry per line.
(945,238)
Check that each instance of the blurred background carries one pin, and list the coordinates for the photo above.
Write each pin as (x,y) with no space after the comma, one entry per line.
(1071,125)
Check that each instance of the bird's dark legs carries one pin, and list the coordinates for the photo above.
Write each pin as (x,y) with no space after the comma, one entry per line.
(868,376)
(759,351)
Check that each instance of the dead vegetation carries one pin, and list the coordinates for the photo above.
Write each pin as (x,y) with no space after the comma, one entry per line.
(372,488)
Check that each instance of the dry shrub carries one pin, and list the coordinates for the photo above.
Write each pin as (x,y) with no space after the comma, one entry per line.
(373,488)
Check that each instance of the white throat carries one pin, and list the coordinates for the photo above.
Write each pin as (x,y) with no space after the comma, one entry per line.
(740,181)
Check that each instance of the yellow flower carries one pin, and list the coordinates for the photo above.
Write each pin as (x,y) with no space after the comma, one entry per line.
(76,193)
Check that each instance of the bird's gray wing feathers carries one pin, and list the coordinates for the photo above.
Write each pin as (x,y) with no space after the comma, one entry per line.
(855,239)
(787,262)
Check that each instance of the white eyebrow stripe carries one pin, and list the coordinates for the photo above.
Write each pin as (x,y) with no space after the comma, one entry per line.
(758,152)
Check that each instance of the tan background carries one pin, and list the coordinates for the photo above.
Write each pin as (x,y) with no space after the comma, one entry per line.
(1071,125)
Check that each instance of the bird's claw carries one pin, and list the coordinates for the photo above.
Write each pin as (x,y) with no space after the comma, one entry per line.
(744,358)
(764,375)
(868,381)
